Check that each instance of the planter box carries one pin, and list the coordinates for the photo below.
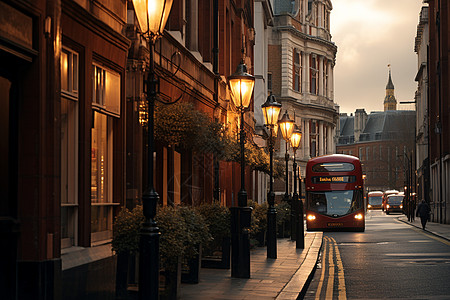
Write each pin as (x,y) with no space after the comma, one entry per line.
(222,262)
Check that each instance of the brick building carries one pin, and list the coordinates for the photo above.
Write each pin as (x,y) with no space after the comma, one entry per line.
(71,144)
(383,141)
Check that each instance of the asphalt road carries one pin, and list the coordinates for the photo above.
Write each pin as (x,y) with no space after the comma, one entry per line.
(389,260)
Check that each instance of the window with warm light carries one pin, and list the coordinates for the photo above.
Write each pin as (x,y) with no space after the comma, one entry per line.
(106,107)
(69,148)
(106,91)
(101,177)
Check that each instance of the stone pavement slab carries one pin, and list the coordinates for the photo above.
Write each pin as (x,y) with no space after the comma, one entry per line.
(281,278)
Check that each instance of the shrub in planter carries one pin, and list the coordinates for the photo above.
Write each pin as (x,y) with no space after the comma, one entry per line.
(283,218)
(197,234)
(125,241)
(171,249)
(218,219)
(259,224)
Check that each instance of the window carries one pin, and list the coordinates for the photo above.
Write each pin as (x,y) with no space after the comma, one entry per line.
(101,177)
(297,71)
(269,82)
(361,153)
(106,93)
(325,78)
(69,148)
(106,106)
(313,74)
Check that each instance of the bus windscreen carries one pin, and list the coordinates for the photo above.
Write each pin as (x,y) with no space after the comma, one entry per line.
(335,203)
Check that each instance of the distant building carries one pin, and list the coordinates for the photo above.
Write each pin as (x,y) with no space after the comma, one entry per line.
(382,140)
(421,97)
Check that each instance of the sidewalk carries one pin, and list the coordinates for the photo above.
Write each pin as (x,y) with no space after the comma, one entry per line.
(441,230)
(281,278)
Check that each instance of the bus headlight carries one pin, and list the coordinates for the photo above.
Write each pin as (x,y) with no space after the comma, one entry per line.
(401,206)
(387,205)
(359,216)
(311,217)
(369,206)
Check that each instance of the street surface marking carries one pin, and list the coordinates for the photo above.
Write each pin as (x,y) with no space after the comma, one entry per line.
(329,256)
(319,287)
(330,281)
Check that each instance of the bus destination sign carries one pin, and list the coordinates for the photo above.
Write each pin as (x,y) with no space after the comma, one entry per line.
(333,179)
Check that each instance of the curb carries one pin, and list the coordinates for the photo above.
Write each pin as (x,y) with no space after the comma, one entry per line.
(426,230)
(297,286)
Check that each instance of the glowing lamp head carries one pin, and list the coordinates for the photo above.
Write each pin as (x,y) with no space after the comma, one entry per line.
(241,86)
(296,138)
(286,126)
(152,15)
(271,110)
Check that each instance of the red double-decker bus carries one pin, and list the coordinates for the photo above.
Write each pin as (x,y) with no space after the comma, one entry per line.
(334,193)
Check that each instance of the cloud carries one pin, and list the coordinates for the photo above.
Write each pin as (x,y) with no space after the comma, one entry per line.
(369,35)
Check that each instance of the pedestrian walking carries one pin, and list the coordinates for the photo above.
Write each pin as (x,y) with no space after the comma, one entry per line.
(423,211)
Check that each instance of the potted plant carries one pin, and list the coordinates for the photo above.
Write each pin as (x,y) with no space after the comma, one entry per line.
(259,224)
(197,234)
(283,218)
(125,242)
(216,252)
(172,248)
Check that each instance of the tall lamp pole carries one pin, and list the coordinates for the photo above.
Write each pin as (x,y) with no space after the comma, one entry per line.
(287,127)
(241,86)
(152,16)
(271,109)
(297,208)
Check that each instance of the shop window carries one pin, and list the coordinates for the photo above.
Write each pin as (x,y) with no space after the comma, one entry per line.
(101,178)
(69,148)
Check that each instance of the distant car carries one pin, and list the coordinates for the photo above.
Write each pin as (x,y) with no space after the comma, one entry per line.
(394,203)
(385,195)
(375,200)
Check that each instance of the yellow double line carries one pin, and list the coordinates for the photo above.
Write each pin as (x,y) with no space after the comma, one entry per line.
(331,259)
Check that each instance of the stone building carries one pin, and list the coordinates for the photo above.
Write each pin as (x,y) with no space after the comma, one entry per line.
(421,97)
(300,75)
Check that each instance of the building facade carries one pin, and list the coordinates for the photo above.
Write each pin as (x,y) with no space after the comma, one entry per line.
(438,113)
(71,81)
(383,141)
(300,76)
(421,98)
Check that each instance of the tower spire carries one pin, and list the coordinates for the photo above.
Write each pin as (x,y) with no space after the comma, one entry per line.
(390,103)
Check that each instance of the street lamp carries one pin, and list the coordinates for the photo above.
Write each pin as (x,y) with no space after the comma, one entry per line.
(287,127)
(241,86)
(152,16)
(297,206)
(271,109)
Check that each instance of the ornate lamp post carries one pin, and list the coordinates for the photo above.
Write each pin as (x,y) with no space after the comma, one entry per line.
(297,206)
(287,127)
(152,16)
(271,109)
(241,86)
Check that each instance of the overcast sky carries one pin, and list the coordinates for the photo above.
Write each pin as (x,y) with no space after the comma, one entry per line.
(370,34)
